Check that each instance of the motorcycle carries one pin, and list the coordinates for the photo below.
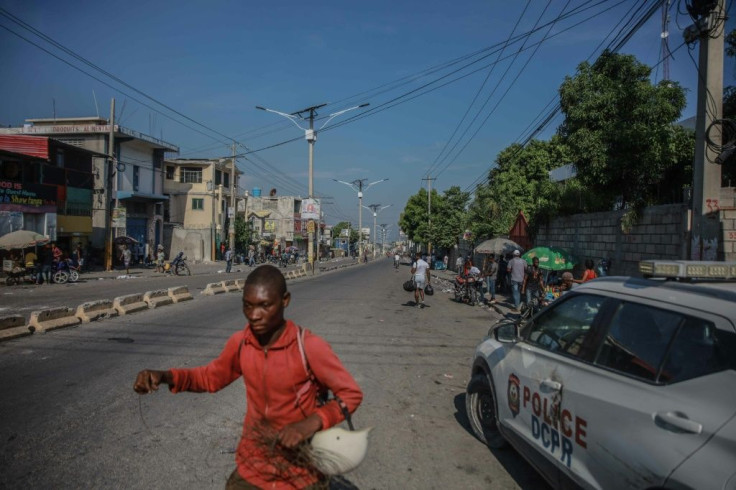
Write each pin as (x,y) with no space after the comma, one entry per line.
(468,289)
(178,266)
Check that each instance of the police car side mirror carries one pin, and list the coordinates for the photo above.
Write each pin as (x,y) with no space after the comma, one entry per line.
(506,332)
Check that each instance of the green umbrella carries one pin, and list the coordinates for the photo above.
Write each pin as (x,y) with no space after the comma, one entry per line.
(551,258)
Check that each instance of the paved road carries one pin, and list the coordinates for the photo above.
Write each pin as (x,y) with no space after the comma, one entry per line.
(69,417)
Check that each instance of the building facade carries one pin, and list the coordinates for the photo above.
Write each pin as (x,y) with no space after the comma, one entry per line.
(128,198)
(276,222)
(46,186)
(197,210)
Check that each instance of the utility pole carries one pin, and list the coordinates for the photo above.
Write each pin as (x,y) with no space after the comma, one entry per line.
(359,185)
(375,209)
(111,173)
(311,136)
(383,237)
(232,212)
(429,212)
(708,30)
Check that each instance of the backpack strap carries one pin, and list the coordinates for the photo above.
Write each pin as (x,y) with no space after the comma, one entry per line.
(313,379)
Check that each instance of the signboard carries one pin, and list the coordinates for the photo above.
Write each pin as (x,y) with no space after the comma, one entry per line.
(345,232)
(310,209)
(310,226)
(230,212)
(15,196)
(270,225)
(119,217)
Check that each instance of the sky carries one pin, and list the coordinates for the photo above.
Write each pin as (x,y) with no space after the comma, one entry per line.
(450,84)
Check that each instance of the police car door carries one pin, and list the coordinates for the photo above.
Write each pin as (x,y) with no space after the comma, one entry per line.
(536,413)
(649,399)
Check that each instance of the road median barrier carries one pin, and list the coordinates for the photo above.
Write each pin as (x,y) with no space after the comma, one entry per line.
(179,294)
(213,288)
(13,326)
(93,310)
(130,303)
(159,297)
(230,285)
(53,318)
(240,283)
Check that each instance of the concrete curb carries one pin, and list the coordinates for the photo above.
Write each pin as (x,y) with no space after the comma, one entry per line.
(13,326)
(213,288)
(94,310)
(240,283)
(230,285)
(159,297)
(130,303)
(180,293)
(53,318)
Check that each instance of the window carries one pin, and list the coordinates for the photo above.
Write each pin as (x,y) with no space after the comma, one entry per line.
(170,172)
(198,204)
(564,328)
(60,158)
(191,175)
(637,340)
(136,176)
(218,177)
(226,180)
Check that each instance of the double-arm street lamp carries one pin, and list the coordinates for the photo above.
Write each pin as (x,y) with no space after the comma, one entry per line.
(310,134)
(359,185)
(375,209)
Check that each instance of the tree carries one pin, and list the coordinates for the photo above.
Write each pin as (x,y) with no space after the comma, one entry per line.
(449,217)
(342,225)
(413,220)
(619,128)
(243,233)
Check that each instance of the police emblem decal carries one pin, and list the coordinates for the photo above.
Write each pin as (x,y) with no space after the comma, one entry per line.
(513,394)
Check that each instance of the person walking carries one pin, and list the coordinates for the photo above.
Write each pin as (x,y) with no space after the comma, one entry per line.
(125,257)
(282,409)
(490,273)
(533,282)
(251,257)
(459,264)
(228,260)
(420,271)
(516,270)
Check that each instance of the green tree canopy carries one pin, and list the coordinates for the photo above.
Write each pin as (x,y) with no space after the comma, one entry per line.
(449,217)
(337,231)
(619,127)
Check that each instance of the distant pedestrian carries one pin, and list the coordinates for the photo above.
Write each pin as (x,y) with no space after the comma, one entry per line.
(533,282)
(446,261)
(222,250)
(125,256)
(589,273)
(516,269)
(160,258)
(228,260)
(490,272)
(47,263)
(251,257)
(501,280)
(459,264)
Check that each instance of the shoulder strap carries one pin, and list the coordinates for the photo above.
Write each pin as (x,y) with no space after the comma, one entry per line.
(313,378)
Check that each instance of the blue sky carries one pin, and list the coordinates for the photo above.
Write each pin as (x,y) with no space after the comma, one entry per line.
(215,61)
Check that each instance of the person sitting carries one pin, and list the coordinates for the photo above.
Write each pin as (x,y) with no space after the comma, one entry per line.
(589,274)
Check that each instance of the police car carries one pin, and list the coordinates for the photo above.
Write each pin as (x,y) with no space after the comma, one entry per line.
(620,383)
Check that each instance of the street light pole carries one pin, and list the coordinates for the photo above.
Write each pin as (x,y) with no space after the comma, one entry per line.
(375,209)
(231,219)
(310,135)
(359,185)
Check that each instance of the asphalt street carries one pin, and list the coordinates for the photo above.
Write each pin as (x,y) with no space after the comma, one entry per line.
(70,419)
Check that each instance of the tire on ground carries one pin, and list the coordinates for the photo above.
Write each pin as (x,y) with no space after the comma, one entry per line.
(480,407)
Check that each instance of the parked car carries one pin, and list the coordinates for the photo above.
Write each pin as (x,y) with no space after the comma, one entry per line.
(620,383)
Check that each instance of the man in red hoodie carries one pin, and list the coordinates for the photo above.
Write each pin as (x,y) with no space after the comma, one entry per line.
(282,403)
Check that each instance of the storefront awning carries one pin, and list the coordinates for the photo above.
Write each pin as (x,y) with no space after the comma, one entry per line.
(140,196)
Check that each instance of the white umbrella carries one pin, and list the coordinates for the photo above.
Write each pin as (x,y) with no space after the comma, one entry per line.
(498,246)
(22,239)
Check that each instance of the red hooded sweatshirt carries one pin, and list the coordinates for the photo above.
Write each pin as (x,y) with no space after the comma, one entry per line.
(273,377)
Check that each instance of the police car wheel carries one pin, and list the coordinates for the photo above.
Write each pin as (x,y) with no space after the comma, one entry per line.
(480,406)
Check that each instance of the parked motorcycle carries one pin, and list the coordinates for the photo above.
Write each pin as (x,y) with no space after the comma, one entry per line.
(178,266)
(468,289)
